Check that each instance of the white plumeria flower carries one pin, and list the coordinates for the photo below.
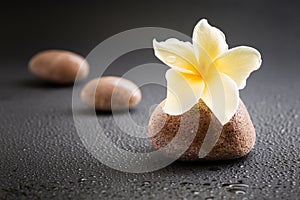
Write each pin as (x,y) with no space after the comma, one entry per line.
(206,69)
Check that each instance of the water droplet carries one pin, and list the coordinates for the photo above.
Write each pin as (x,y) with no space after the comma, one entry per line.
(171,59)
(238,185)
(236,188)
(225,185)
(185,183)
(81,180)
(209,198)
(236,191)
(157,182)
(146,183)
(295,116)
(173,185)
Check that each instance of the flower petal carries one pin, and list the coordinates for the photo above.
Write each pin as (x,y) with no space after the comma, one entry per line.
(221,96)
(176,54)
(184,91)
(238,63)
(210,40)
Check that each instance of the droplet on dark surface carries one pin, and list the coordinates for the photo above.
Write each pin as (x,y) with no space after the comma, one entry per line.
(185,183)
(238,185)
(81,180)
(236,191)
(225,184)
(236,188)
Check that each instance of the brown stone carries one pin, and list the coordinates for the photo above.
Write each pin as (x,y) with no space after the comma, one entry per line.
(59,66)
(236,138)
(111,93)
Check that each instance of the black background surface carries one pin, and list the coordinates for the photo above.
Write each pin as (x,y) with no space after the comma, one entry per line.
(41,155)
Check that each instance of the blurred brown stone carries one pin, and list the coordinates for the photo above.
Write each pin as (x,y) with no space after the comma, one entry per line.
(59,66)
(111,93)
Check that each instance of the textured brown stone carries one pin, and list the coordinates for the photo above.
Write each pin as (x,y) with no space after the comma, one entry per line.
(59,66)
(111,93)
(236,138)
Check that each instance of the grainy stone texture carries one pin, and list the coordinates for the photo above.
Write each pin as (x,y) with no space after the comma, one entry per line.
(110,92)
(236,139)
(59,66)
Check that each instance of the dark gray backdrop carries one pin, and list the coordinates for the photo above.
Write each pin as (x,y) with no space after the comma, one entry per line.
(41,155)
